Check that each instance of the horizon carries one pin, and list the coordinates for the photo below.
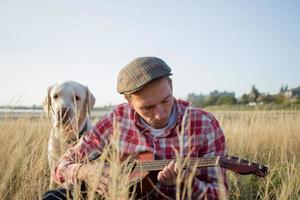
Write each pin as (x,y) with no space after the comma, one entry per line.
(224,45)
(110,105)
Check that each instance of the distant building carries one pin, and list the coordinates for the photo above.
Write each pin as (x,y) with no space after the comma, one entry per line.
(199,97)
(195,97)
(252,104)
(213,98)
(292,93)
(216,93)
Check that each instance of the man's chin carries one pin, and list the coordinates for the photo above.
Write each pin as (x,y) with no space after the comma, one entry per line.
(159,125)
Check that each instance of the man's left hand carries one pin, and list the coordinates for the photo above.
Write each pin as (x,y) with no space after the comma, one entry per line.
(169,174)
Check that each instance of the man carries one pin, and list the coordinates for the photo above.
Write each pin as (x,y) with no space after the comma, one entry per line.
(152,120)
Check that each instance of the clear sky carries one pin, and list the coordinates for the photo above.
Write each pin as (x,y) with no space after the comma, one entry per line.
(210,45)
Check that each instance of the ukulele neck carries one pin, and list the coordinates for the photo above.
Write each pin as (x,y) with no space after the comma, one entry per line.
(157,165)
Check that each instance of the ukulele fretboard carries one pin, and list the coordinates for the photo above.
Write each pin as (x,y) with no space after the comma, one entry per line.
(155,165)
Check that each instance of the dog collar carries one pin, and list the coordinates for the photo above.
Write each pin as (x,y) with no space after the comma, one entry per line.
(83,130)
(80,134)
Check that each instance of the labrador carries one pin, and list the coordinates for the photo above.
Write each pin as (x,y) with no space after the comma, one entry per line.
(69,105)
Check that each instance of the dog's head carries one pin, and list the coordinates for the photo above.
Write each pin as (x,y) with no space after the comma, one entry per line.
(68,103)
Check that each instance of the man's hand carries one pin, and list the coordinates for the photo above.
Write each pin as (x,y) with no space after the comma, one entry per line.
(95,174)
(169,174)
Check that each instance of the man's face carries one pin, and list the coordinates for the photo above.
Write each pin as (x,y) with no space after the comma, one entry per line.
(154,102)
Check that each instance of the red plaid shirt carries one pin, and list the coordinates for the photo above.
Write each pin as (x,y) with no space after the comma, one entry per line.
(199,127)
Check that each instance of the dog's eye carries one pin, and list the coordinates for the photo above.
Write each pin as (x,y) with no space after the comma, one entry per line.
(55,96)
(77,98)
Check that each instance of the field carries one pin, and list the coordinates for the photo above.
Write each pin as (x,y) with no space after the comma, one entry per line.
(268,137)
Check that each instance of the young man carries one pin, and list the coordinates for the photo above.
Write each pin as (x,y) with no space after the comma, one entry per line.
(151,121)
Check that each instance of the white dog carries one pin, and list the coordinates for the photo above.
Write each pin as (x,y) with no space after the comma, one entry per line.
(69,104)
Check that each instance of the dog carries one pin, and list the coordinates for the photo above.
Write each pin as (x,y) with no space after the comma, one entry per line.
(69,105)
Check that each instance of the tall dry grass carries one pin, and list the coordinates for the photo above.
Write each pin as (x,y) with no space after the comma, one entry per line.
(271,138)
(24,170)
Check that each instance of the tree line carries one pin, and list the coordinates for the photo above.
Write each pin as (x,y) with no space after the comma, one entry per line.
(284,97)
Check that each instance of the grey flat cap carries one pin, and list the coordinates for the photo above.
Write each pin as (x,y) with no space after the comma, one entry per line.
(139,72)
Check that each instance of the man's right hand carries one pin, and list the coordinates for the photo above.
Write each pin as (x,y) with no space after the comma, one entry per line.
(95,175)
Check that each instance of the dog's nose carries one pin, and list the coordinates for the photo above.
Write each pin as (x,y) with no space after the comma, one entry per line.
(63,114)
(64,111)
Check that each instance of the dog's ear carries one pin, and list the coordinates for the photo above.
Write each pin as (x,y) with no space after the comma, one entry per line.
(47,102)
(90,101)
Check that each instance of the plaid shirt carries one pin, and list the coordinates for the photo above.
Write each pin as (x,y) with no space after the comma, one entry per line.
(201,134)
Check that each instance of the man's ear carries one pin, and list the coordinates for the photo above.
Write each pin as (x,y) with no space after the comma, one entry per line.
(128,98)
(90,101)
(47,102)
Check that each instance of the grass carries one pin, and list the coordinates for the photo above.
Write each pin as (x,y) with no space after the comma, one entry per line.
(269,137)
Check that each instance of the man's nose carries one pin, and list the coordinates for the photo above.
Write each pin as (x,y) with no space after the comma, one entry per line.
(159,112)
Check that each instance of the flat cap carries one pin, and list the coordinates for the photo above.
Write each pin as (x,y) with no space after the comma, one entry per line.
(139,72)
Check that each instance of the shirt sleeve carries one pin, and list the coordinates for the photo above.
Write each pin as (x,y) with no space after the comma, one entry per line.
(88,148)
(212,181)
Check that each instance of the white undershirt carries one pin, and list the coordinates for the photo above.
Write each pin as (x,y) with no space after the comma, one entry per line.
(158,132)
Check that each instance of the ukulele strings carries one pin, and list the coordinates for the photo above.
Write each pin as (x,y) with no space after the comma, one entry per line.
(148,165)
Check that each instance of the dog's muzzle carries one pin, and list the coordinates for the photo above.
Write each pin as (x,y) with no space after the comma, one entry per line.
(64,115)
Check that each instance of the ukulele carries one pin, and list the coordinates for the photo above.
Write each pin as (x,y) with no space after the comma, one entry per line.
(145,169)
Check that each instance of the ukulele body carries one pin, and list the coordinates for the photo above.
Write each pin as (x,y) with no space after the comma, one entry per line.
(144,181)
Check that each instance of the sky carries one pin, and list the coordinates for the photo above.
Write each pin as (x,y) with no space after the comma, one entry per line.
(210,45)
